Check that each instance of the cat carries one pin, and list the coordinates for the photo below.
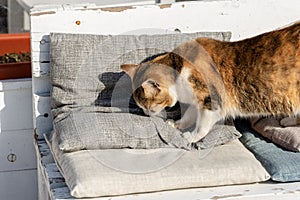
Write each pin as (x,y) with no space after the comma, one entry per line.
(258,76)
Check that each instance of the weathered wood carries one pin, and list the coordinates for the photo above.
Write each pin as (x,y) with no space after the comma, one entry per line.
(42,113)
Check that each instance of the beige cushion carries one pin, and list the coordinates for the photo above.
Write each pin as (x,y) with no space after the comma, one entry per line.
(93,173)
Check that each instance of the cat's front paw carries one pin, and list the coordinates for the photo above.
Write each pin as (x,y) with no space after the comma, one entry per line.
(174,124)
(193,137)
(188,136)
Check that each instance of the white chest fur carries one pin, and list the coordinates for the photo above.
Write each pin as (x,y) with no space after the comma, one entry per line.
(184,91)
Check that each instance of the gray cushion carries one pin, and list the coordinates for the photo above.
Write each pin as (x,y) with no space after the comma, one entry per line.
(92,106)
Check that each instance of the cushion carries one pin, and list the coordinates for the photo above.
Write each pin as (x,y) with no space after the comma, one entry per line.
(92,106)
(286,137)
(282,165)
(93,173)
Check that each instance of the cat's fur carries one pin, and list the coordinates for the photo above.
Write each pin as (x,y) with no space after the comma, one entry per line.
(260,76)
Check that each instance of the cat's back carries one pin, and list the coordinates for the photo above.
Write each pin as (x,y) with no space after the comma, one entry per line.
(262,73)
(274,48)
(267,71)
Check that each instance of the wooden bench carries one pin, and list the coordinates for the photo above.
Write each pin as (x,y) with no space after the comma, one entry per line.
(243,18)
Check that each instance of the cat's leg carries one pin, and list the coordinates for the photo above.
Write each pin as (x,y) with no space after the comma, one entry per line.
(188,119)
(204,123)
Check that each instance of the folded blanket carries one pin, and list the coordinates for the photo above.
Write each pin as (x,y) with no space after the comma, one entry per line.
(271,128)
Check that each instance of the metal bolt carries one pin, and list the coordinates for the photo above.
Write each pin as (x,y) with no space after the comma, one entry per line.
(42,42)
(11,157)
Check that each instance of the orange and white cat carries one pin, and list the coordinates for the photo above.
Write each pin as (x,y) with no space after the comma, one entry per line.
(259,76)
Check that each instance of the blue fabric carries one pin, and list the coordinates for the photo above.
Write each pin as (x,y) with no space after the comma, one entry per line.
(282,165)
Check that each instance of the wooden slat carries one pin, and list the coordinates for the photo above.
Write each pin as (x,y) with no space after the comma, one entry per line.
(47,184)
(42,114)
(41,85)
(40,46)
(40,69)
(43,57)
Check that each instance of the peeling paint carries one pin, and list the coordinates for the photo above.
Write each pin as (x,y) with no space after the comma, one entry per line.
(226,196)
(43,13)
(290,192)
(117,9)
(163,6)
(278,189)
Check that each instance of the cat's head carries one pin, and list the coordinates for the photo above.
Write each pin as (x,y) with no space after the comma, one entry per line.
(153,85)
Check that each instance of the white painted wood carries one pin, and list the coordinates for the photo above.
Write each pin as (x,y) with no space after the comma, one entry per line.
(15,105)
(15,84)
(18,185)
(42,114)
(17,150)
(18,178)
(244,18)
(44,57)
(41,43)
(40,69)
(28,4)
(42,85)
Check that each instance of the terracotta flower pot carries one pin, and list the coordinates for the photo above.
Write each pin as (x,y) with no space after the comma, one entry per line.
(15,70)
(15,43)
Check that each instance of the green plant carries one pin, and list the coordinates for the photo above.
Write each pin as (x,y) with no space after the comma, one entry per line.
(15,58)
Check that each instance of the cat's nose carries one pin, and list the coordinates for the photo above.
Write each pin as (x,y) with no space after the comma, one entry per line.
(149,112)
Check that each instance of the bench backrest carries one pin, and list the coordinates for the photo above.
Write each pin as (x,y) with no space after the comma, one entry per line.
(242,18)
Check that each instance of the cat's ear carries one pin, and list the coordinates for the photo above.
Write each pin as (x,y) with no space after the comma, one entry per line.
(151,88)
(160,57)
(129,69)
